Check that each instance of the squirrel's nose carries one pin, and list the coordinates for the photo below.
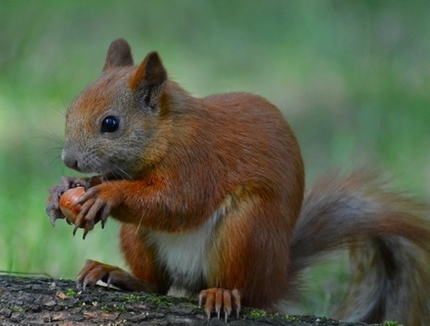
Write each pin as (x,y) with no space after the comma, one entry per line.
(69,160)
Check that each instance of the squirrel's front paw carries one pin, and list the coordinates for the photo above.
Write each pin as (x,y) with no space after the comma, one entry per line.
(96,204)
(217,298)
(52,203)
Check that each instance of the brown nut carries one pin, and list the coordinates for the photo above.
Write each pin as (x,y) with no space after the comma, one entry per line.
(68,201)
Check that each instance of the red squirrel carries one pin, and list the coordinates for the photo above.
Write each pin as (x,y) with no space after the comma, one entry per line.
(211,199)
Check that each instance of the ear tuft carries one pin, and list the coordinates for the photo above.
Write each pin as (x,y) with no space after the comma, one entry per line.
(149,80)
(118,55)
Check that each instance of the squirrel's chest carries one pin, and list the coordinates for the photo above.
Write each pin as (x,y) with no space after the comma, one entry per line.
(184,255)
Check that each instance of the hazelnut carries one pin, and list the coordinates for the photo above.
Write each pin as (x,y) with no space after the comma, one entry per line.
(67,203)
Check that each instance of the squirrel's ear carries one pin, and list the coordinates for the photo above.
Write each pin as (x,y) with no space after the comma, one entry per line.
(118,55)
(149,80)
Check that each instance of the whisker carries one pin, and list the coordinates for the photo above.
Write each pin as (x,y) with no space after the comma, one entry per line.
(61,96)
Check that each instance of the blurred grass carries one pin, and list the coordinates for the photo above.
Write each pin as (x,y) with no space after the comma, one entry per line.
(351,77)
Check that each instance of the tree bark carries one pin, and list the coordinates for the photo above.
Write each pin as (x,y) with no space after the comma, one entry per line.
(37,301)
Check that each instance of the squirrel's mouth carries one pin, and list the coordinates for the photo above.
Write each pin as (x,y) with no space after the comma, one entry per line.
(111,176)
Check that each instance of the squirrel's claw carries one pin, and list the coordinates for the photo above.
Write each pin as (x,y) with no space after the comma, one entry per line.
(52,207)
(53,212)
(53,219)
(93,209)
(95,271)
(217,298)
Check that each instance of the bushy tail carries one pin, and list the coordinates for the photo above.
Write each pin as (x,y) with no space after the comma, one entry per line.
(388,237)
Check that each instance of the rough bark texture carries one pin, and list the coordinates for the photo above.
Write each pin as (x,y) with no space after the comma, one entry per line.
(37,301)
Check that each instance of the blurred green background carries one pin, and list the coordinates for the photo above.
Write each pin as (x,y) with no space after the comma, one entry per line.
(351,77)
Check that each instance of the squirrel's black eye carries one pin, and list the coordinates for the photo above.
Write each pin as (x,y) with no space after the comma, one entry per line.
(110,124)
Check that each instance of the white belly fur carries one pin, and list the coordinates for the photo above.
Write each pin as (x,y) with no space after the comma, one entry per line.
(184,254)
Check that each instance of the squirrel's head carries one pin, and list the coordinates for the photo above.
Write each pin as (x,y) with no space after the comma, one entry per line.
(114,125)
